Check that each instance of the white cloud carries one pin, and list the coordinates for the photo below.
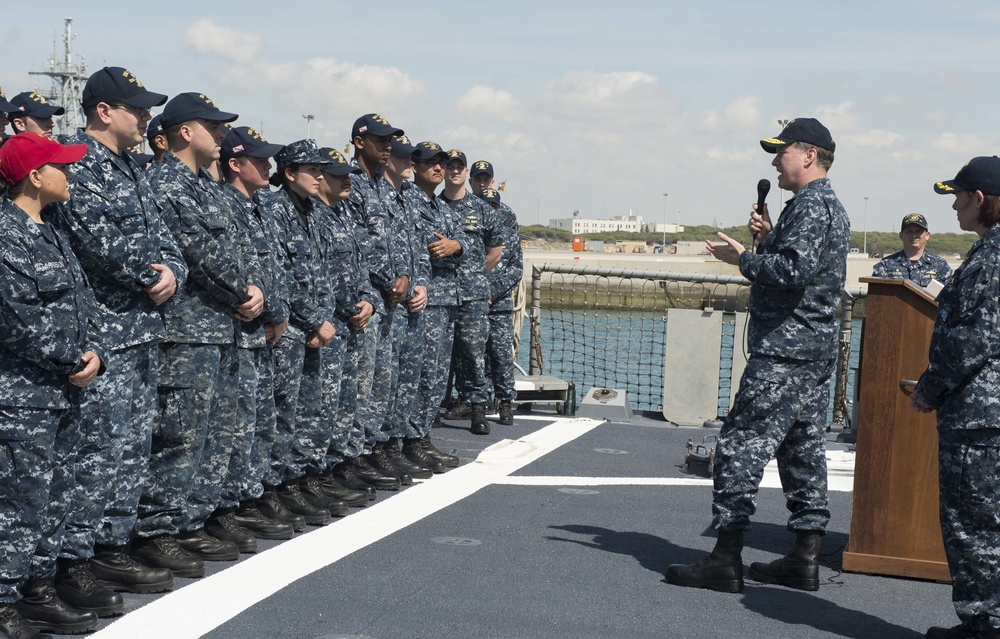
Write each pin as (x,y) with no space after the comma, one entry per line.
(838,118)
(208,37)
(483,102)
(964,145)
(591,88)
(743,111)
(873,138)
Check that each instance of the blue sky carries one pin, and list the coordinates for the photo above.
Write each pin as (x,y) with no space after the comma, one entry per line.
(596,107)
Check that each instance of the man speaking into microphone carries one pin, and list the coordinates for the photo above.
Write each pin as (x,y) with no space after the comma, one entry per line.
(796,280)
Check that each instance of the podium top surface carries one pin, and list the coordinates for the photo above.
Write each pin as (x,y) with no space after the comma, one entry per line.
(907,284)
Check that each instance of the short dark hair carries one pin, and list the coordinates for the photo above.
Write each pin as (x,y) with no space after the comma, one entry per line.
(989,212)
(824,157)
(227,173)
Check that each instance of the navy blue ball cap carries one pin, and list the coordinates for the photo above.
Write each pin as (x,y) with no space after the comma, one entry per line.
(242,141)
(154,128)
(913,218)
(33,104)
(490,195)
(980,174)
(298,152)
(115,84)
(482,166)
(455,154)
(808,130)
(425,151)
(186,107)
(401,147)
(373,124)
(5,106)
(337,164)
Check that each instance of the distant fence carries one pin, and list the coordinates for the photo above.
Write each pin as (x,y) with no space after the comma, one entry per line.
(605,327)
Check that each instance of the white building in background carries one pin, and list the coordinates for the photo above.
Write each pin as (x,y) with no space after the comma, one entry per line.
(660,227)
(582,225)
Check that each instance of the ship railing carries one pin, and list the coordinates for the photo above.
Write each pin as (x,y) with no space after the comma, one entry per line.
(607,327)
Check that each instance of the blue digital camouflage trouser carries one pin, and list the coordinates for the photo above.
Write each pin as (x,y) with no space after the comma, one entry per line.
(177,487)
(374,408)
(472,328)
(970,523)
(37,448)
(410,358)
(779,411)
(439,335)
(500,355)
(316,416)
(348,440)
(289,358)
(254,433)
(118,410)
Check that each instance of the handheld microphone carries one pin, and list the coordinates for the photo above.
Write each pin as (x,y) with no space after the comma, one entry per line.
(762,189)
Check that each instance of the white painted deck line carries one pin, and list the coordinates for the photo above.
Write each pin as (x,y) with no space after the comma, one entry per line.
(198,608)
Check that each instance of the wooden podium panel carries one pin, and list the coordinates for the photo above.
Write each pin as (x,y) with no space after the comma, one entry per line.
(895,525)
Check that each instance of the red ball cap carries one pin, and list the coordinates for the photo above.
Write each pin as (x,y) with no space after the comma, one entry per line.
(25,152)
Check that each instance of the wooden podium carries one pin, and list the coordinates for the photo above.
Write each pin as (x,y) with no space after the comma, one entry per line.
(895,526)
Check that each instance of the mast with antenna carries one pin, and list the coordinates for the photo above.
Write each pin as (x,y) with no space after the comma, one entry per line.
(68,79)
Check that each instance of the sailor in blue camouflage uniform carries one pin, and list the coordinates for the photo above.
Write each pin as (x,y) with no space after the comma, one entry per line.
(504,272)
(157,140)
(197,387)
(375,226)
(134,266)
(49,349)
(445,242)
(407,317)
(472,328)
(245,165)
(913,262)
(299,363)
(33,113)
(962,382)
(353,302)
(797,278)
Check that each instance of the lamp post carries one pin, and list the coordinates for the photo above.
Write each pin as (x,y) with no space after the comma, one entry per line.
(308,118)
(665,222)
(865,249)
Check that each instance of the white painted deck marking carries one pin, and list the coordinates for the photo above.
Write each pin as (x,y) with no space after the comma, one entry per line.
(198,608)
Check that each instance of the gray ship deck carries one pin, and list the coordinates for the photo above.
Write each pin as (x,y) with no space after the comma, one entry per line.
(551,528)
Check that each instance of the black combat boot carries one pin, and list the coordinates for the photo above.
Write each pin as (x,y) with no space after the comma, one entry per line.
(373,476)
(451,461)
(223,525)
(42,608)
(721,570)
(798,569)
(961,631)
(506,412)
(479,424)
(13,626)
(437,421)
(403,463)
(413,450)
(311,488)
(291,496)
(114,569)
(345,473)
(353,497)
(249,517)
(270,505)
(206,547)
(461,410)
(76,585)
(380,461)
(163,551)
